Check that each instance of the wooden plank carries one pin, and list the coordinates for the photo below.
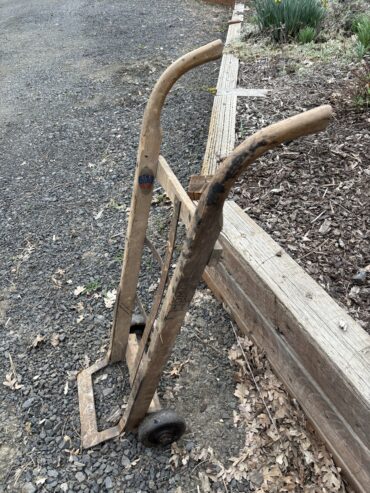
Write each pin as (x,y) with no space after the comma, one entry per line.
(350,453)
(307,317)
(221,138)
(289,315)
(131,355)
(244,92)
(298,325)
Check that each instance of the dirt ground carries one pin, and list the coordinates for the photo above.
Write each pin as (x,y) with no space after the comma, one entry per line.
(312,195)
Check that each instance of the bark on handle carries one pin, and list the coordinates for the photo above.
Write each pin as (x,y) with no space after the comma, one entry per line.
(306,123)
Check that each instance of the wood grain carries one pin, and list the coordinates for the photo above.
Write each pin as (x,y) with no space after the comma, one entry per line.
(221,136)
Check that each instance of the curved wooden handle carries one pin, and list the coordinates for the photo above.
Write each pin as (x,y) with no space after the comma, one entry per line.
(204,54)
(306,123)
(146,169)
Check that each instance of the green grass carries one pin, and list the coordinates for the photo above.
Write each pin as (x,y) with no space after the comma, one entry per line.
(306,35)
(284,19)
(363,36)
(92,287)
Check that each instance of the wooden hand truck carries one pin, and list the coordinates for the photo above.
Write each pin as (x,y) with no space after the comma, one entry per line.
(146,356)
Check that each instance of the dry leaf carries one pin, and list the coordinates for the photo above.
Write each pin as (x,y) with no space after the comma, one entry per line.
(325,227)
(152,287)
(110,298)
(54,340)
(79,290)
(40,481)
(177,368)
(28,427)
(11,381)
(37,340)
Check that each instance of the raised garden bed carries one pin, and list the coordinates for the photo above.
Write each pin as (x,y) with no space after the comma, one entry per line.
(312,197)
(314,345)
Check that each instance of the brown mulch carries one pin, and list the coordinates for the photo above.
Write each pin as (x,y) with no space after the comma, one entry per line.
(312,195)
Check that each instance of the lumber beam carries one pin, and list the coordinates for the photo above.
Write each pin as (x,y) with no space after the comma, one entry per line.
(299,326)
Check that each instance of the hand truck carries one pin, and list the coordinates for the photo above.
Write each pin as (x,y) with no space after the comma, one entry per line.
(146,356)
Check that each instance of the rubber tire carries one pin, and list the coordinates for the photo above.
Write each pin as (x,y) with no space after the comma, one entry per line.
(161,428)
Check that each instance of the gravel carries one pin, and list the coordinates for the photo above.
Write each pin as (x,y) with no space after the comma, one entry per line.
(75,79)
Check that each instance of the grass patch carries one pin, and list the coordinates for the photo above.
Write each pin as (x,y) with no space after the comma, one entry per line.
(361,27)
(340,49)
(306,35)
(92,287)
(284,19)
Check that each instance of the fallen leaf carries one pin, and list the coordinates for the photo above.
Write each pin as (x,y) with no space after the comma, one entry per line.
(40,481)
(54,340)
(152,287)
(11,381)
(79,290)
(38,340)
(325,227)
(110,298)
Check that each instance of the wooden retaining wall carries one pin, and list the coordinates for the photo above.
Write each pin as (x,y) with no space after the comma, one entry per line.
(321,354)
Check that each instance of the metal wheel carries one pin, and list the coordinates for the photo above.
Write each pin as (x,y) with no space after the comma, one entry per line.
(161,428)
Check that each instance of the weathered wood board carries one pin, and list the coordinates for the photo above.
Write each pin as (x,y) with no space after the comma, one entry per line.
(221,140)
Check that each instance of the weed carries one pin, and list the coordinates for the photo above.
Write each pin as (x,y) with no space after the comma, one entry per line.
(211,90)
(361,27)
(357,20)
(357,91)
(306,35)
(119,257)
(285,18)
(92,287)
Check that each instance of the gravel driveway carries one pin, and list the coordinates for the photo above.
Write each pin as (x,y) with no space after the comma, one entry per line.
(75,76)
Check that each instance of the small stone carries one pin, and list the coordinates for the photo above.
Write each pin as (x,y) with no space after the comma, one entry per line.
(359,277)
(64,487)
(28,488)
(125,461)
(53,473)
(189,446)
(80,476)
(108,483)
(28,403)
